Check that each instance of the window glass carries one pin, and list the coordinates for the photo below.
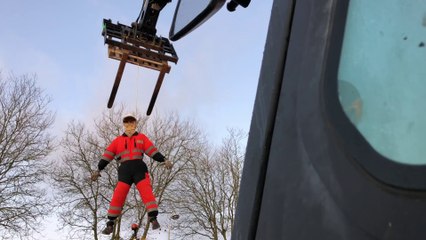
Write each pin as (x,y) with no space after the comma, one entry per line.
(382,76)
(187,11)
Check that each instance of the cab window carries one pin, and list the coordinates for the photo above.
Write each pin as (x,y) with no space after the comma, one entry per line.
(382,76)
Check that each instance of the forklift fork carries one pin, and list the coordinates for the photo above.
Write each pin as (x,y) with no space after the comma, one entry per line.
(129,45)
(117,79)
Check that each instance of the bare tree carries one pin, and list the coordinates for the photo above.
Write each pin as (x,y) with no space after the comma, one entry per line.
(230,165)
(80,200)
(211,190)
(84,203)
(24,145)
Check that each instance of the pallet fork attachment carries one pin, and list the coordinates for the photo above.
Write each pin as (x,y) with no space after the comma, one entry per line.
(130,45)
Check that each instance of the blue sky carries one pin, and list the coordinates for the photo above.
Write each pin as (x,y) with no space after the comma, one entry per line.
(214,82)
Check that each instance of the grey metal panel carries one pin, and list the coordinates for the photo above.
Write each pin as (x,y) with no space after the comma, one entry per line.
(262,123)
(300,180)
(296,203)
(314,189)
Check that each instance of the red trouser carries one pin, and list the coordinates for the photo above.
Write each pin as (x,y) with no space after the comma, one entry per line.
(122,189)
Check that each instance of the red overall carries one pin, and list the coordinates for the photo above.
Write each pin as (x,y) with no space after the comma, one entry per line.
(129,152)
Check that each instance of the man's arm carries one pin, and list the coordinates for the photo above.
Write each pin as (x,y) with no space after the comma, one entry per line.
(159,157)
(102,164)
(107,157)
(153,152)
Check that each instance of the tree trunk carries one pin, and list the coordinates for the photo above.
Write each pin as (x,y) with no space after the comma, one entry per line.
(145,231)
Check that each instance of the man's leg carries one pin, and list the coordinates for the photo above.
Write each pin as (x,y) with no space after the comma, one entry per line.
(116,205)
(145,190)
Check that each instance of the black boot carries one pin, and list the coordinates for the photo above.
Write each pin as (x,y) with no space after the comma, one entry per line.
(109,228)
(154,222)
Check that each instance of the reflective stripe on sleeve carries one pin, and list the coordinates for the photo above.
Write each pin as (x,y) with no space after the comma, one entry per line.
(106,159)
(108,156)
(151,151)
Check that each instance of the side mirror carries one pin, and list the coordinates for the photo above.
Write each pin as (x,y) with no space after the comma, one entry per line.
(191,14)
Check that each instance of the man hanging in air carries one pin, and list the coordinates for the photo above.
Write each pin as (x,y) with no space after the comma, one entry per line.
(128,150)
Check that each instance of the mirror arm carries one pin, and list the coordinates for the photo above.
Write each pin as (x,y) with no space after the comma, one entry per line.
(233,4)
(149,16)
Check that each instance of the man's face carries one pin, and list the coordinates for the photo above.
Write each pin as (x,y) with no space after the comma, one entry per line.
(129,125)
